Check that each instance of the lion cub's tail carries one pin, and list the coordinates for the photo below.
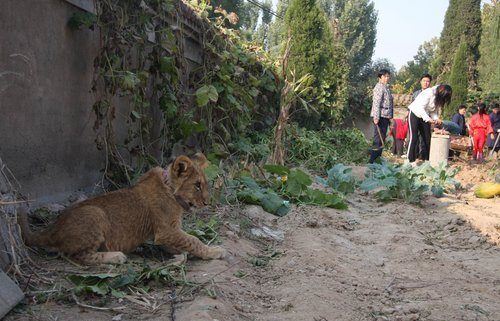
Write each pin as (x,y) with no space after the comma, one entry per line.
(29,237)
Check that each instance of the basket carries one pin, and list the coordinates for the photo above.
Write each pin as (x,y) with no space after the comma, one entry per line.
(460,143)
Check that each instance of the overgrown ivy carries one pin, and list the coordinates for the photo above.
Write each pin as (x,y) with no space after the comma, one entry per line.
(150,98)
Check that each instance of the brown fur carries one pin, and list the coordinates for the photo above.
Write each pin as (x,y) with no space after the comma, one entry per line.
(102,229)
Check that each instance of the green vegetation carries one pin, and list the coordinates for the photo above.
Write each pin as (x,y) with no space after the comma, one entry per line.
(409,75)
(488,66)
(403,182)
(136,278)
(238,97)
(314,51)
(284,186)
(463,18)
(321,150)
(457,81)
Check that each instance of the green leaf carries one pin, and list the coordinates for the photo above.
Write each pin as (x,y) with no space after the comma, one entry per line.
(118,294)
(212,93)
(135,115)
(205,94)
(369,184)
(340,178)
(317,197)
(301,177)
(276,169)
(212,171)
(167,65)
(81,19)
(437,191)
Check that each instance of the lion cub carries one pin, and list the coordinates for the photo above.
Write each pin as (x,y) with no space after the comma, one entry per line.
(103,228)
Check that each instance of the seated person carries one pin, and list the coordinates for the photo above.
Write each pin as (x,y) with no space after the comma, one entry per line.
(459,119)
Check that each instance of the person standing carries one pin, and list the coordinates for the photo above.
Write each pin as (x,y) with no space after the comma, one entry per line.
(425,82)
(459,119)
(381,112)
(480,128)
(495,123)
(424,111)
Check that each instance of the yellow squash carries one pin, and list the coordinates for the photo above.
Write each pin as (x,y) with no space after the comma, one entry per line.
(487,190)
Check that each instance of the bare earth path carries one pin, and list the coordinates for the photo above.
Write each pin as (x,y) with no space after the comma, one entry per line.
(373,261)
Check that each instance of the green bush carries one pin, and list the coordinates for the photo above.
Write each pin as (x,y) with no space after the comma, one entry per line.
(321,150)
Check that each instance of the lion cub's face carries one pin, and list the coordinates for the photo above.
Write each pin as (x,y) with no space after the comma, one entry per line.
(189,181)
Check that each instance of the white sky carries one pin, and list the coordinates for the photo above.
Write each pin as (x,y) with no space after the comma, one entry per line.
(403,25)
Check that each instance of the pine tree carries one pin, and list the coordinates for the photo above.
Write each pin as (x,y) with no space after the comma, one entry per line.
(458,80)
(488,65)
(463,17)
(315,51)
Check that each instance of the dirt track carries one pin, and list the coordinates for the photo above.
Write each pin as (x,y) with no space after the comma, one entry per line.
(373,261)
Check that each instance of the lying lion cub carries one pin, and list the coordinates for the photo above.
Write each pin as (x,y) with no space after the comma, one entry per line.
(102,229)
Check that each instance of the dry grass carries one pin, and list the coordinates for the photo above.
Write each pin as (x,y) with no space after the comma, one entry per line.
(14,256)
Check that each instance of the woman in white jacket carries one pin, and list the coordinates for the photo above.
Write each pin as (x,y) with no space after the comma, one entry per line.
(424,111)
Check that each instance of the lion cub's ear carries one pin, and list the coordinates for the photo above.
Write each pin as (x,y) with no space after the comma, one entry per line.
(200,160)
(181,165)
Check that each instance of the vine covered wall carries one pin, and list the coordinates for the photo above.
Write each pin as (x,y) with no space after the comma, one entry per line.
(230,92)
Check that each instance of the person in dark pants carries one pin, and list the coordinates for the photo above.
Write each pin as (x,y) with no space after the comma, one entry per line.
(425,82)
(459,119)
(424,111)
(495,124)
(382,112)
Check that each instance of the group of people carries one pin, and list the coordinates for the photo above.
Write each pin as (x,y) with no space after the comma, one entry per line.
(423,113)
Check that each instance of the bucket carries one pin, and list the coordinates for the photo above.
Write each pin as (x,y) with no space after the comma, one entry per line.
(440,146)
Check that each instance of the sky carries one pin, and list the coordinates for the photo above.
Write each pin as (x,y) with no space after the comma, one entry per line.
(404,25)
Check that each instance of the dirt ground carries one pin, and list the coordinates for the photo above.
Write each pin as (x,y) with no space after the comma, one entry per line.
(373,261)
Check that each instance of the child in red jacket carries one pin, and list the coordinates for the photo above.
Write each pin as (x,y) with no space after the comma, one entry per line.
(399,131)
(480,127)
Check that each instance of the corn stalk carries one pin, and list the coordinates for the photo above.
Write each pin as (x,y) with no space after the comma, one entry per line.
(291,93)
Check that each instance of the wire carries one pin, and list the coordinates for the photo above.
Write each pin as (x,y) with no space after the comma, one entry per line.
(257,4)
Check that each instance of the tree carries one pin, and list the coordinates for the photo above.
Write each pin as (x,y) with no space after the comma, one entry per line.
(410,74)
(235,6)
(356,22)
(276,35)
(488,66)
(261,34)
(463,17)
(458,80)
(314,50)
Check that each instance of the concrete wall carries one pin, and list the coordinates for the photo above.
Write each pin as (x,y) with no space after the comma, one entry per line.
(46,70)
(45,101)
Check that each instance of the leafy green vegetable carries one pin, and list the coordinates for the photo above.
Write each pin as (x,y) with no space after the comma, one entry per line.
(252,193)
(407,183)
(340,179)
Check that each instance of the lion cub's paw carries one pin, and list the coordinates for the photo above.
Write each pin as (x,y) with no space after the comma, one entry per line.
(116,258)
(217,252)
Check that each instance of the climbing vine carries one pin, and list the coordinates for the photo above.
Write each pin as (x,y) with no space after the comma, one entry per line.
(149,99)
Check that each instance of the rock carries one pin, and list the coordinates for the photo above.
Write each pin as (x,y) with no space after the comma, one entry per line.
(411,317)
(256,213)
(55,207)
(268,233)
